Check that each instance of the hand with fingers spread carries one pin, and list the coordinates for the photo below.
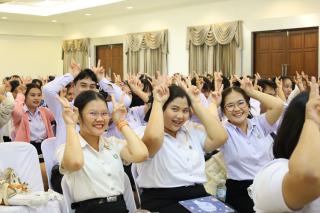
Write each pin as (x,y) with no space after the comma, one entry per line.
(99,71)
(313,105)
(161,93)
(216,96)
(75,69)
(194,94)
(246,84)
(257,78)
(119,112)
(217,80)
(70,114)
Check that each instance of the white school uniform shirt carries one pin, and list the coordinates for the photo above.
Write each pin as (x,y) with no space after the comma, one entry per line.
(267,190)
(51,91)
(245,155)
(179,162)
(102,174)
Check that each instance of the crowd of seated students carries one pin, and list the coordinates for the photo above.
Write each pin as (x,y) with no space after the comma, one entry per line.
(266,129)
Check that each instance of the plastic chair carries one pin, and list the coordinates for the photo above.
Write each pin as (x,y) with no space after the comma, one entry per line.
(128,195)
(48,147)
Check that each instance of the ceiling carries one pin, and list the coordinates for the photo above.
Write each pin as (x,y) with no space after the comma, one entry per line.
(67,11)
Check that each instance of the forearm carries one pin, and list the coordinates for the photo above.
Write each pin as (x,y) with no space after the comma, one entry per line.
(51,90)
(305,159)
(73,159)
(274,105)
(154,132)
(301,184)
(211,122)
(137,149)
(143,95)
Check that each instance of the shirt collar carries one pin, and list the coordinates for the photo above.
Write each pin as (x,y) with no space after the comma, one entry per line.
(83,142)
(251,125)
(26,109)
(182,129)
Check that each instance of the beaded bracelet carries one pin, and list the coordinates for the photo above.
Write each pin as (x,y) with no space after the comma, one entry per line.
(121,124)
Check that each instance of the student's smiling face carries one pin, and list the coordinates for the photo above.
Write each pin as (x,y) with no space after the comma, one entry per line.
(175,115)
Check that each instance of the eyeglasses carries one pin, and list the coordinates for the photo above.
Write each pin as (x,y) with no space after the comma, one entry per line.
(96,115)
(240,104)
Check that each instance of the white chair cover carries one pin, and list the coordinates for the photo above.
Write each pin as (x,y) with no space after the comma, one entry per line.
(48,147)
(23,158)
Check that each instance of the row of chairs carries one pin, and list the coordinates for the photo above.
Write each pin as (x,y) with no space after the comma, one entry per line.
(23,158)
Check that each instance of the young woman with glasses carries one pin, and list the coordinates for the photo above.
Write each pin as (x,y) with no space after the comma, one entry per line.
(92,163)
(247,149)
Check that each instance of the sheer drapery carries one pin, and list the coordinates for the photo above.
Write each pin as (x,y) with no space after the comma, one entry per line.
(213,47)
(147,52)
(77,49)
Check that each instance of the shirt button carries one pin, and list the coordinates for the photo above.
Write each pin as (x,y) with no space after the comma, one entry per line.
(109,174)
(188,159)
(111,188)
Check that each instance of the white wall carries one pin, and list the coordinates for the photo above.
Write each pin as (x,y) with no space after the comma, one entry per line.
(257,15)
(30,49)
(35,48)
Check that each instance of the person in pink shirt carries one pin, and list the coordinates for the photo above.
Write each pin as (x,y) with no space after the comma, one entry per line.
(32,123)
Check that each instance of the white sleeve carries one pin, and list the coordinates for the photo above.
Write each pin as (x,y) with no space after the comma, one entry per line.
(59,155)
(267,187)
(113,89)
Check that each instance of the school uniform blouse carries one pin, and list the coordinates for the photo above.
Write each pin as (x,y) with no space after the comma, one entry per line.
(246,154)
(102,174)
(179,162)
(267,190)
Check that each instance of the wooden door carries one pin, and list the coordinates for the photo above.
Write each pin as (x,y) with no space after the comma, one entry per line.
(303,51)
(270,53)
(111,58)
(286,51)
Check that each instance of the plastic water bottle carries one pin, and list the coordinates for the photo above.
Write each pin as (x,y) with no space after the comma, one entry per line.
(221,191)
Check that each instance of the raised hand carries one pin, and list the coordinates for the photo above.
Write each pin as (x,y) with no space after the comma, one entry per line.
(70,114)
(21,89)
(246,84)
(257,78)
(99,71)
(313,104)
(216,96)
(75,68)
(217,80)
(161,93)
(119,110)
(194,93)
(298,81)
(135,84)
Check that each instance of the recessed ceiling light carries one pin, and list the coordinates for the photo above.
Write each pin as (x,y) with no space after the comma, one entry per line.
(88,14)
(4,17)
(129,7)
(54,21)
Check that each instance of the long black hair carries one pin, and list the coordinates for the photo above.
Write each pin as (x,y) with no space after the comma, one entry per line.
(290,129)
